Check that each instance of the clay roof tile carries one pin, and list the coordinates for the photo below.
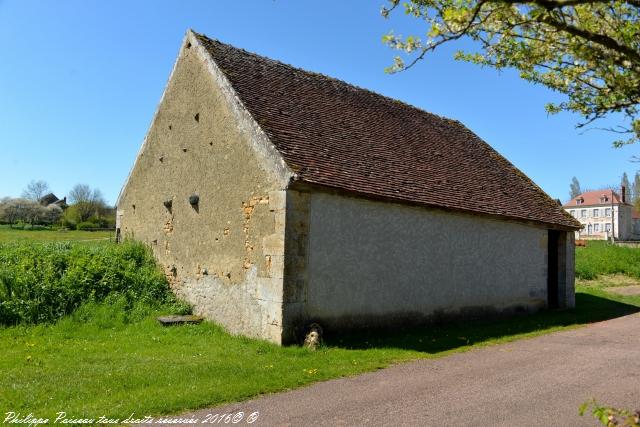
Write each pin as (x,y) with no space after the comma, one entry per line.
(338,135)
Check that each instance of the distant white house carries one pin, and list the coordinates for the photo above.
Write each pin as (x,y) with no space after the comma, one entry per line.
(603,213)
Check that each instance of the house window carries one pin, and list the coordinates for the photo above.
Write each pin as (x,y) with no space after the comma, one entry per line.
(583,213)
(596,212)
(589,229)
(573,213)
(579,201)
(607,212)
(607,227)
(596,228)
(604,199)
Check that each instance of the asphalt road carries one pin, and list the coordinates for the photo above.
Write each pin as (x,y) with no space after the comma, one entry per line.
(535,382)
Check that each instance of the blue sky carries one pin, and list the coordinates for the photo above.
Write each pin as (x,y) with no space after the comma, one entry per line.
(80,81)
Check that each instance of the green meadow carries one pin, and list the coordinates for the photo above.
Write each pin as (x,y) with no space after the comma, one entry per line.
(79,334)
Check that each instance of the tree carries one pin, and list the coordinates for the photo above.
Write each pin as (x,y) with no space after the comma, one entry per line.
(30,211)
(574,188)
(81,193)
(15,210)
(588,50)
(35,190)
(8,213)
(85,203)
(624,182)
(51,214)
(635,189)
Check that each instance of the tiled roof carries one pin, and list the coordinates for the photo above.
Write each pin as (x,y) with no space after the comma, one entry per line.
(49,198)
(337,135)
(594,198)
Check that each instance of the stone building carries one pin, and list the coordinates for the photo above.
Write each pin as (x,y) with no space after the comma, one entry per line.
(274,197)
(604,214)
(52,199)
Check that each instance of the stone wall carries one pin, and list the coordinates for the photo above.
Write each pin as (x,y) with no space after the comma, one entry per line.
(296,268)
(357,262)
(622,222)
(224,254)
(624,227)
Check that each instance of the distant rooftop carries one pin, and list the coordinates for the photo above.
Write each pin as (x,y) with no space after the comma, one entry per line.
(596,197)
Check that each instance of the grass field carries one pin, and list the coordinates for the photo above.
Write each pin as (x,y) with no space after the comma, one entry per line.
(115,359)
(8,234)
(100,361)
(602,258)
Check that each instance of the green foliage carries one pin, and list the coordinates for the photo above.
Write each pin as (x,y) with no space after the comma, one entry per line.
(71,217)
(635,190)
(588,50)
(103,221)
(609,416)
(41,282)
(600,258)
(624,182)
(16,211)
(95,222)
(574,188)
(88,203)
(67,222)
(87,225)
(99,216)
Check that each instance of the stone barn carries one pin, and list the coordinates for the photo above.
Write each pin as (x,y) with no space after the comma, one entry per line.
(274,197)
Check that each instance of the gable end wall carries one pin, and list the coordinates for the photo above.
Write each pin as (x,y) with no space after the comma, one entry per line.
(225,254)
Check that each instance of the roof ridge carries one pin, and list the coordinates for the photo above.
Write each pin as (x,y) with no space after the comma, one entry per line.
(349,85)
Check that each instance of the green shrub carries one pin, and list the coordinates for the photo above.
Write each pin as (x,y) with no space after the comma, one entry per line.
(87,225)
(35,227)
(100,222)
(609,416)
(68,223)
(41,282)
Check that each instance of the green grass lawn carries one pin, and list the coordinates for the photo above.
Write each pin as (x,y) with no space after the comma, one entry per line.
(99,362)
(112,360)
(8,234)
(602,258)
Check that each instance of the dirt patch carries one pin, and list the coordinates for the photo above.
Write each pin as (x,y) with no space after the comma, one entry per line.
(615,283)
(624,290)
(611,281)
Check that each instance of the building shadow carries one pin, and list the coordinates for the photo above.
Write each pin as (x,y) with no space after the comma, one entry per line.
(441,337)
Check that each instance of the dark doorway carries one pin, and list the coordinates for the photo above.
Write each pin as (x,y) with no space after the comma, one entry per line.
(552,269)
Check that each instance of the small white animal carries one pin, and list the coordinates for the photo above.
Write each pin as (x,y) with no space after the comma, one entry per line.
(313,339)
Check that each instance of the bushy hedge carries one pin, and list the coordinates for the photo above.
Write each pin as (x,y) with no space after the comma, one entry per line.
(41,282)
(87,226)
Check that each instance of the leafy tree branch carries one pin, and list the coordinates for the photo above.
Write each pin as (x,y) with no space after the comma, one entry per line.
(588,50)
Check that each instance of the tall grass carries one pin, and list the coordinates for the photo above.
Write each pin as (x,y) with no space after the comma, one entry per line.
(8,235)
(41,282)
(601,258)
